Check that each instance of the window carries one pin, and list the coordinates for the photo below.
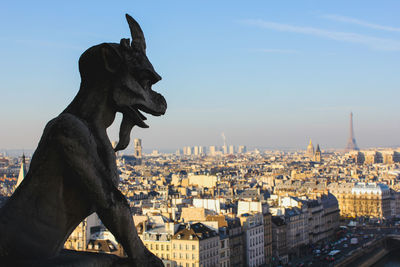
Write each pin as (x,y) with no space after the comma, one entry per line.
(193,247)
(156,246)
(162,247)
(167,247)
(187,247)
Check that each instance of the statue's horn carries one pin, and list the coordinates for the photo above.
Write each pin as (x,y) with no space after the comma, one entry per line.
(137,34)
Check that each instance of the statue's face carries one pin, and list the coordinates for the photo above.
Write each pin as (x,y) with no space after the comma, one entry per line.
(132,92)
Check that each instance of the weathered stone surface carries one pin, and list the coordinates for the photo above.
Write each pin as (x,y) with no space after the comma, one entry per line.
(73,171)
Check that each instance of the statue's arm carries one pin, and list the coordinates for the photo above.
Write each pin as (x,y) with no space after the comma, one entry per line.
(78,148)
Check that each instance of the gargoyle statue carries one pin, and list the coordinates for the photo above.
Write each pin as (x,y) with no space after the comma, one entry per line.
(73,171)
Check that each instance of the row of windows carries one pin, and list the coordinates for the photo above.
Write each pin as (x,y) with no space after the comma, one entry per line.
(156,247)
(161,255)
(256,231)
(184,247)
(209,245)
(256,262)
(182,264)
(208,264)
(256,252)
(256,240)
(184,255)
(207,254)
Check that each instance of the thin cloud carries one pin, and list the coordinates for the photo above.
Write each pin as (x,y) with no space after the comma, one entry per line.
(279,51)
(360,22)
(372,42)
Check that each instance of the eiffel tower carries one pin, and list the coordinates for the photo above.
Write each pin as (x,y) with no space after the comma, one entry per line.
(351,142)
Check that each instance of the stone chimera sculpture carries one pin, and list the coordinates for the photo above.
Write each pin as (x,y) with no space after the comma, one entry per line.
(73,171)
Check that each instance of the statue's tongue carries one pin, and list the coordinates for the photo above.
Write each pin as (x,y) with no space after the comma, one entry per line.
(128,121)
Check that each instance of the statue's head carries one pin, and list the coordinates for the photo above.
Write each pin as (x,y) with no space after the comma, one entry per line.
(129,75)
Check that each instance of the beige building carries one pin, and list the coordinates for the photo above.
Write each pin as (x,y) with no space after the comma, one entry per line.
(373,157)
(362,199)
(195,245)
(203,180)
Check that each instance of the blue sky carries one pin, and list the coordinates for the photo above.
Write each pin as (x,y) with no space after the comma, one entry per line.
(266,73)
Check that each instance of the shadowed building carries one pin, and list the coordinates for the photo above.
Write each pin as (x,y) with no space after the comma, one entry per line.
(235,233)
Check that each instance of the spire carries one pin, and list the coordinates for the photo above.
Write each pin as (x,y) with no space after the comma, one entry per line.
(317,155)
(22,172)
(351,142)
(318,149)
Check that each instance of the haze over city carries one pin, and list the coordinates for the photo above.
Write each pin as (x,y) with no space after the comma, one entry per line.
(266,74)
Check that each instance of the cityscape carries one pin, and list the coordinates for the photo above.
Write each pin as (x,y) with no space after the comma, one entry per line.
(272,140)
(227,206)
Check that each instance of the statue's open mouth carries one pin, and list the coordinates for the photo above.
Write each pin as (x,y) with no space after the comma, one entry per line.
(152,103)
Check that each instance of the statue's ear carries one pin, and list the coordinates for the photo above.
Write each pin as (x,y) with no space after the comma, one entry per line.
(111,57)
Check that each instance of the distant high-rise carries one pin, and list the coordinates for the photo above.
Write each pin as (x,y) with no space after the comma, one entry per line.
(196,151)
(212,150)
(242,149)
(137,143)
(351,142)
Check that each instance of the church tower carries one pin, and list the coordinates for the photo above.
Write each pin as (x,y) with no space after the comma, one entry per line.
(22,172)
(137,143)
(310,149)
(317,155)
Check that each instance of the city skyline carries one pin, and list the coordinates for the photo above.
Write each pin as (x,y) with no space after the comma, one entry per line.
(265,75)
